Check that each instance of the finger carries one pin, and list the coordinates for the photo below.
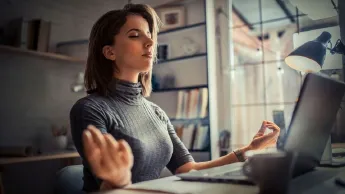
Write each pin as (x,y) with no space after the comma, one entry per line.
(262,128)
(88,143)
(112,147)
(267,137)
(97,136)
(91,150)
(273,134)
(269,122)
(126,151)
(104,157)
(274,127)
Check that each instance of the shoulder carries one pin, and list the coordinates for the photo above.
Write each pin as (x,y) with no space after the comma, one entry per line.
(158,111)
(90,103)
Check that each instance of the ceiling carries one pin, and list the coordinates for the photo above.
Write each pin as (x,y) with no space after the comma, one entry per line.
(276,14)
(278,17)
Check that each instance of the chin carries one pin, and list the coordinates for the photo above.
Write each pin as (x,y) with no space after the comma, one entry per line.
(146,67)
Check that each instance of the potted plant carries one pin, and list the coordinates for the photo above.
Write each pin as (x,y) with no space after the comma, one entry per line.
(60,137)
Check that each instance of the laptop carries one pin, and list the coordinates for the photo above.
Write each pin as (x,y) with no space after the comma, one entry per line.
(310,127)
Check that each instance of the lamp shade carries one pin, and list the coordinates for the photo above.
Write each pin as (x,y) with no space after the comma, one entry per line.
(310,56)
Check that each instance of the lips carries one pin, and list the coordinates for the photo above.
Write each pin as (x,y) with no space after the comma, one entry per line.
(148,55)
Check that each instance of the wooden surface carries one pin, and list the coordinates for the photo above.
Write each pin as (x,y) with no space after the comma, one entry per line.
(5,48)
(338,145)
(321,180)
(50,156)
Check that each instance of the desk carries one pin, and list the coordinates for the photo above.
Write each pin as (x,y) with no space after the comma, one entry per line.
(319,181)
(48,156)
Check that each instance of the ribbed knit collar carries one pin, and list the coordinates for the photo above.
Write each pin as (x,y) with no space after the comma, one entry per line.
(126,91)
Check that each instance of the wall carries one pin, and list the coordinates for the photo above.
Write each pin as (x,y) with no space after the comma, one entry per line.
(36,91)
(71,20)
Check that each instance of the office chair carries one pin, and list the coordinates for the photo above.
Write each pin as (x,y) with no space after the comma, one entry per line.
(69,180)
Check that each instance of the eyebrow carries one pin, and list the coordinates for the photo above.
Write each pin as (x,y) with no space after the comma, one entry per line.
(137,30)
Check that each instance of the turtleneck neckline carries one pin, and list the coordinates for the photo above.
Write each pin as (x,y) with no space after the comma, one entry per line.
(127,92)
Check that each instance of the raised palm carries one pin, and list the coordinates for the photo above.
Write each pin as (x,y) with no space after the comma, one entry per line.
(110,160)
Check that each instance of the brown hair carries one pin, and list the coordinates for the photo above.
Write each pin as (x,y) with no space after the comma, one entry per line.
(99,70)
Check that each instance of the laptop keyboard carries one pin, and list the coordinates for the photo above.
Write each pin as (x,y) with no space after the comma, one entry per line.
(234,173)
(237,172)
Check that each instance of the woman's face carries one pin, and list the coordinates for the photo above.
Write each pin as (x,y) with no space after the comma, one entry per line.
(133,48)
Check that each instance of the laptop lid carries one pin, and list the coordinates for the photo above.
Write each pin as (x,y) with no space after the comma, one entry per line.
(313,117)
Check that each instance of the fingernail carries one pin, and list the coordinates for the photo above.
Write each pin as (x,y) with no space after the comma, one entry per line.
(87,133)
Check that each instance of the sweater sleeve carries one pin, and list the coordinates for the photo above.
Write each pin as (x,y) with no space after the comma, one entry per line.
(180,154)
(82,114)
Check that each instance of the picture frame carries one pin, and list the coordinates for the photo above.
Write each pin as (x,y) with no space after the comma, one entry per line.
(172,17)
(163,52)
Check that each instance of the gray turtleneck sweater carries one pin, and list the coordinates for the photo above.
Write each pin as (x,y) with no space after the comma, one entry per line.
(127,115)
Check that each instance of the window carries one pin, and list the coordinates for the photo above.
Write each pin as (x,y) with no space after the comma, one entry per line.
(262,86)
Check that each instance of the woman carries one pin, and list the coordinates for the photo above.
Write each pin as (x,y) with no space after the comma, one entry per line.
(122,48)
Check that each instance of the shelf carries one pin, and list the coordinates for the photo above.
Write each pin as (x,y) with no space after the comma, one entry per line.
(192,150)
(203,120)
(182,28)
(40,54)
(181,88)
(73,42)
(263,104)
(182,58)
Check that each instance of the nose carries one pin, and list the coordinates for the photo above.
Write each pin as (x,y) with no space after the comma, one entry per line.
(148,43)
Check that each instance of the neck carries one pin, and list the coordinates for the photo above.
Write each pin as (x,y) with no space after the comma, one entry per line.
(127,76)
(126,91)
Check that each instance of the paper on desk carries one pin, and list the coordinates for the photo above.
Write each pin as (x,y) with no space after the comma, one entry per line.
(170,185)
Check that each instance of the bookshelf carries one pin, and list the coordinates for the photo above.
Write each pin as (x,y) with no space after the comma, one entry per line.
(5,48)
(194,120)
(182,58)
(182,28)
(194,68)
(180,88)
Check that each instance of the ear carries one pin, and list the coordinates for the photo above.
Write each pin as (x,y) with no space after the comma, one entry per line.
(109,53)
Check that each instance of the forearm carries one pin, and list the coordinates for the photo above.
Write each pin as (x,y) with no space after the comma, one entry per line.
(227,159)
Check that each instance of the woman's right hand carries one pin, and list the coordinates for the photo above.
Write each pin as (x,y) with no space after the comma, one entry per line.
(110,160)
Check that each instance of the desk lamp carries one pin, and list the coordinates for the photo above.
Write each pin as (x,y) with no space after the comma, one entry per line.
(310,56)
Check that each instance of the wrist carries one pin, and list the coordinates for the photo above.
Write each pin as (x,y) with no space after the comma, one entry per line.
(240,153)
(118,181)
(246,148)
(107,185)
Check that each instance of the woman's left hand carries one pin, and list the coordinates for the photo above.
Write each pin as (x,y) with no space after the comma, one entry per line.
(262,140)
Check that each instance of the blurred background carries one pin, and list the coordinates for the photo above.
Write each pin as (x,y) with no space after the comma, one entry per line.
(220,73)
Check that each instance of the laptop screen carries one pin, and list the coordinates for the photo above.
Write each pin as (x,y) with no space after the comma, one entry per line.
(314,114)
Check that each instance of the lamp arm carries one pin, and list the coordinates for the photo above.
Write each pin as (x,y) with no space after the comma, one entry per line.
(338,48)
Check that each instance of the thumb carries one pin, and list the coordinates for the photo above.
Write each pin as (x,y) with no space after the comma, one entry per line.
(262,128)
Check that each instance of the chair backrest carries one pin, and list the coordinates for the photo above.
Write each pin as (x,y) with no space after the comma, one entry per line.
(70,180)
